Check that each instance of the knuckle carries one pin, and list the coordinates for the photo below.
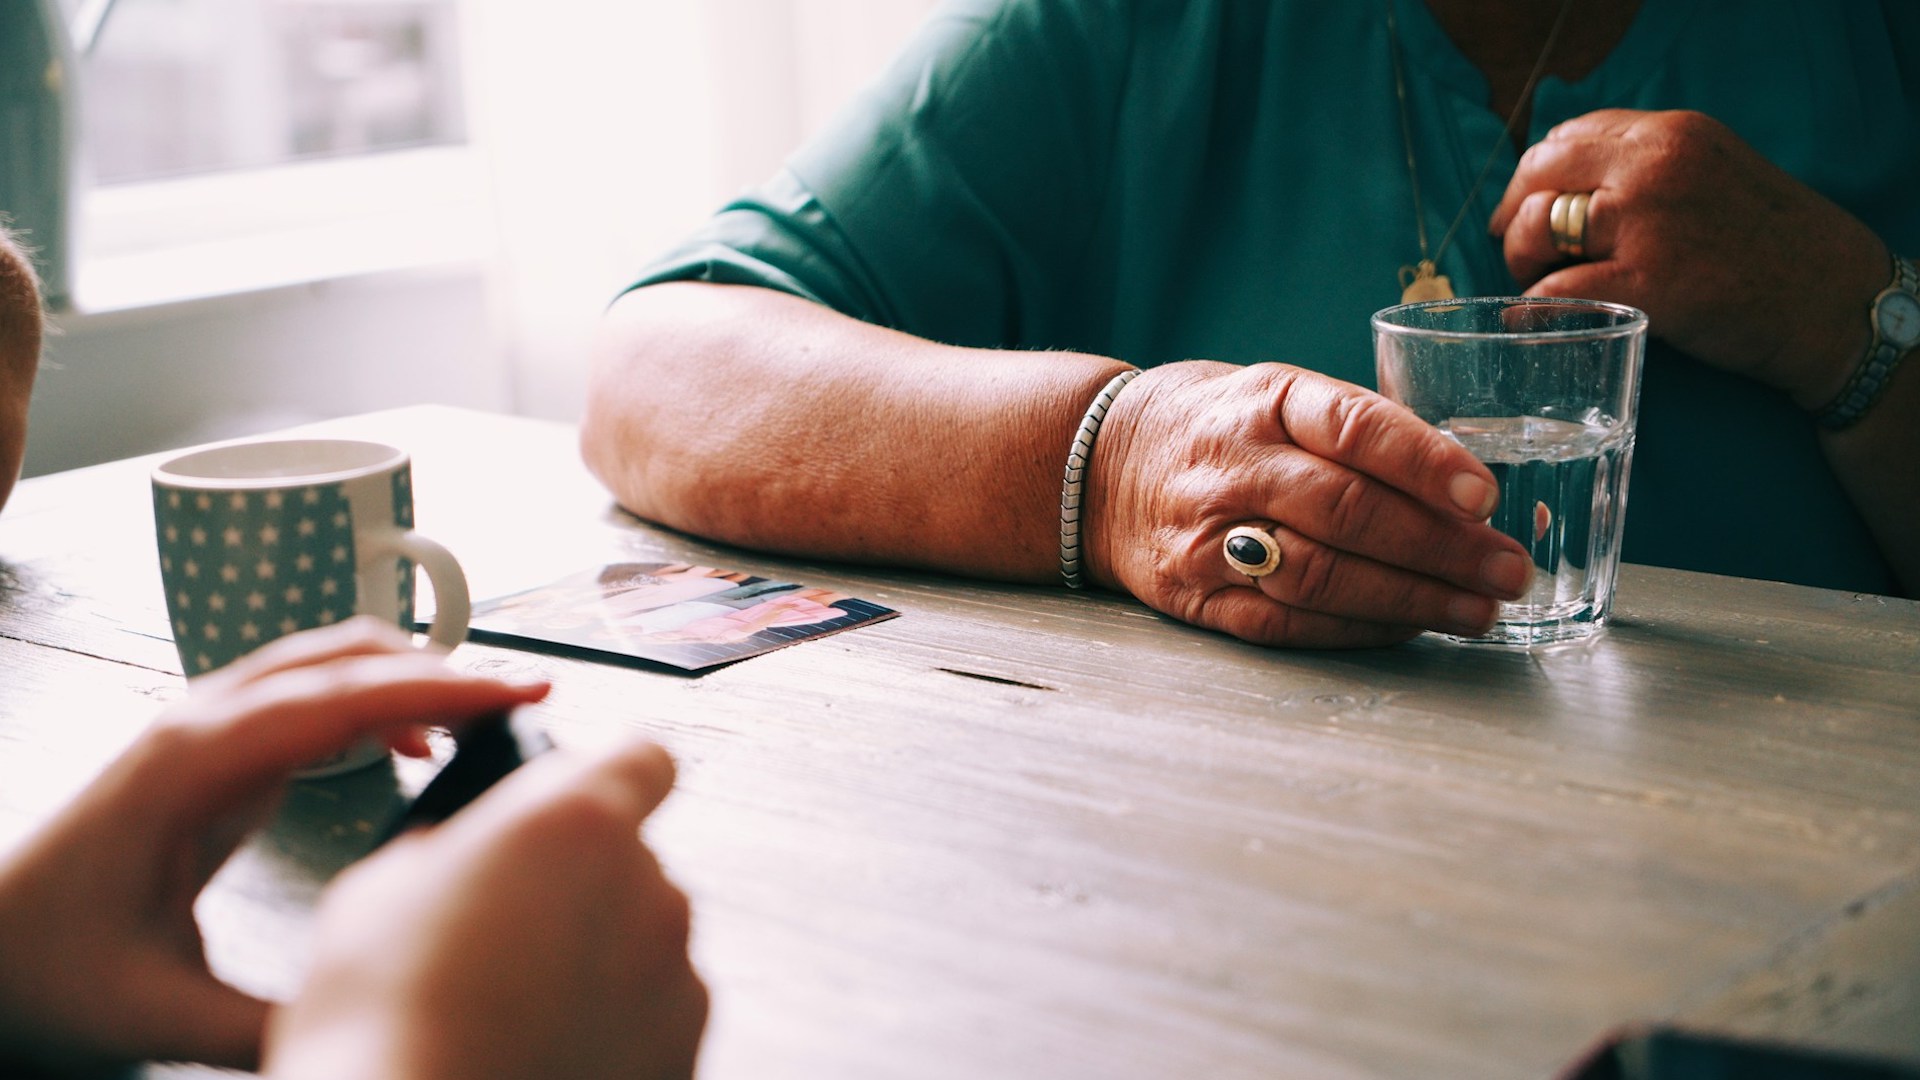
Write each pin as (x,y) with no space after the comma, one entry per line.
(1357,419)
(1456,555)
(1172,566)
(1675,143)
(1543,155)
(1438,456)
(699,1000)
(1280,627)
(1316,577)
(1409,604)
(1353,509)
(1180,599)
(1273,624)
(175,735)
(1290,393)
(1689,125)
(1540,204)
(1276,381)
(672,914)
(1202,493)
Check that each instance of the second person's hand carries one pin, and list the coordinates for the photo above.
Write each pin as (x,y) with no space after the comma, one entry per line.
(103,958)
(530,935)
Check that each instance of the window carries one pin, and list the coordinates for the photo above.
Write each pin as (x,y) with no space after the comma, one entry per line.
(230,145)
(174,87)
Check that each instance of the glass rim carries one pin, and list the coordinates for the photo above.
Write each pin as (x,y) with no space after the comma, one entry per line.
(1632,319)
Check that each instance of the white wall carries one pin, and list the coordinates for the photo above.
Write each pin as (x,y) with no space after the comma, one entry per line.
(622,125)
(609,128)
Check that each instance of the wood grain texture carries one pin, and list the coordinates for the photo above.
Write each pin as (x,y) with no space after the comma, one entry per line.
(1026,832)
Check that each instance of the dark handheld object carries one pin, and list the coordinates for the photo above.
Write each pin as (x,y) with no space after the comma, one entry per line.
(483,753)
(1670,1054)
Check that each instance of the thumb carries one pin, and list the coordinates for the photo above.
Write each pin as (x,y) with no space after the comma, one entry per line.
(625,783)
(1607,280)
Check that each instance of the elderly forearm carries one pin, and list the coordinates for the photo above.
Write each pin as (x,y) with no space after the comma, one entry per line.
(1874,460)
(757,418)
(1873,455)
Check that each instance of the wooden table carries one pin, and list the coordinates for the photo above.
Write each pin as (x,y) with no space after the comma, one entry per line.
(1021,832)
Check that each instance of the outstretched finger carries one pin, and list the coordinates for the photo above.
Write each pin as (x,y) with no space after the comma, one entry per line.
(1348,511)
(1305,575)
(1373,436)
(362,635)
(1253,616)
(1608,280)
(259,733)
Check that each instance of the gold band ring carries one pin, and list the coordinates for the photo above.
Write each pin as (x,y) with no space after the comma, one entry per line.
(1567,221)
(1253,552)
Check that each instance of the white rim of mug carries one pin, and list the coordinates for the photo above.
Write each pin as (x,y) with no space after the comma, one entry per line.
(385,459)
(1633,320)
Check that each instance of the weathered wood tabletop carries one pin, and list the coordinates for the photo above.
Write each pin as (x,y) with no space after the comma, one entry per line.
(1020,832)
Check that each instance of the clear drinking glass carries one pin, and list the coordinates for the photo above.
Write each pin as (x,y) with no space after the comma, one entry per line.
(1544,392)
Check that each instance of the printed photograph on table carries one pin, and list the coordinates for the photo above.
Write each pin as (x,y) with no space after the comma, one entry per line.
(677,614)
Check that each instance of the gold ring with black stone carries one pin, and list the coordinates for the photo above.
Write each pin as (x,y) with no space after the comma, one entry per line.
(1252,551)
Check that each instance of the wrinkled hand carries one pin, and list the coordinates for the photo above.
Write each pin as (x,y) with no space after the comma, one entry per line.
(532,934)
(103,959)
(1379,517)
(1735,262)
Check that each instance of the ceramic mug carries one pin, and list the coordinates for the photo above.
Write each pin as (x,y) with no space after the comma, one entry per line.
(259,540)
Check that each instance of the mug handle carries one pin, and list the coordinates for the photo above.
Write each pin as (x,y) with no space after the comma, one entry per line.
(452,609)
(452,604)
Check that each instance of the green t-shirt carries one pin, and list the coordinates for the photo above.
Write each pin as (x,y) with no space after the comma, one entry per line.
(1160,180)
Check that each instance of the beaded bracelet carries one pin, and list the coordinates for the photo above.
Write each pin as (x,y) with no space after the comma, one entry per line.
(1078,456)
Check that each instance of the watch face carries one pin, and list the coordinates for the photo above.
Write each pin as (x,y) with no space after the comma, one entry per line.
(1898,314)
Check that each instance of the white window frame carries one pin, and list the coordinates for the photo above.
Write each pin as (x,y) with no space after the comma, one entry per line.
(149,243)
(156,242)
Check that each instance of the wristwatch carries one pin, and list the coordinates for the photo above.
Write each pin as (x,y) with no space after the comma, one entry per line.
(1895,318)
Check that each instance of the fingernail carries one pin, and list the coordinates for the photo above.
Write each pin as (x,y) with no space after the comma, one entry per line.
(1472,615)
(1507,573)
(1473,494)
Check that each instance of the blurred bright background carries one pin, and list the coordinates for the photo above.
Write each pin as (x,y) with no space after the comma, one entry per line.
(294,209)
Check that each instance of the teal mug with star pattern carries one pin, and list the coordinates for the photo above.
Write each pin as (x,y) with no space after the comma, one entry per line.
(259,540)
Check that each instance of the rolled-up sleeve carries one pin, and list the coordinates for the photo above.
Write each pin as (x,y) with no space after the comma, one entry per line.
(947,199)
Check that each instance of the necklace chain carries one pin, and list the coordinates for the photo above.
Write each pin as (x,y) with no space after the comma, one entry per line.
(1427,268)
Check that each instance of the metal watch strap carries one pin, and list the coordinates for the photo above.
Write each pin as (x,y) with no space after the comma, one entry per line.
(1870,375)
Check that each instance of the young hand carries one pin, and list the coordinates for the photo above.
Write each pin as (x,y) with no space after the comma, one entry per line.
(103,959)
(532,934)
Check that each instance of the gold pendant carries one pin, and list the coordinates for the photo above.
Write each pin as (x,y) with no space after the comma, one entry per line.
(1424,282)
